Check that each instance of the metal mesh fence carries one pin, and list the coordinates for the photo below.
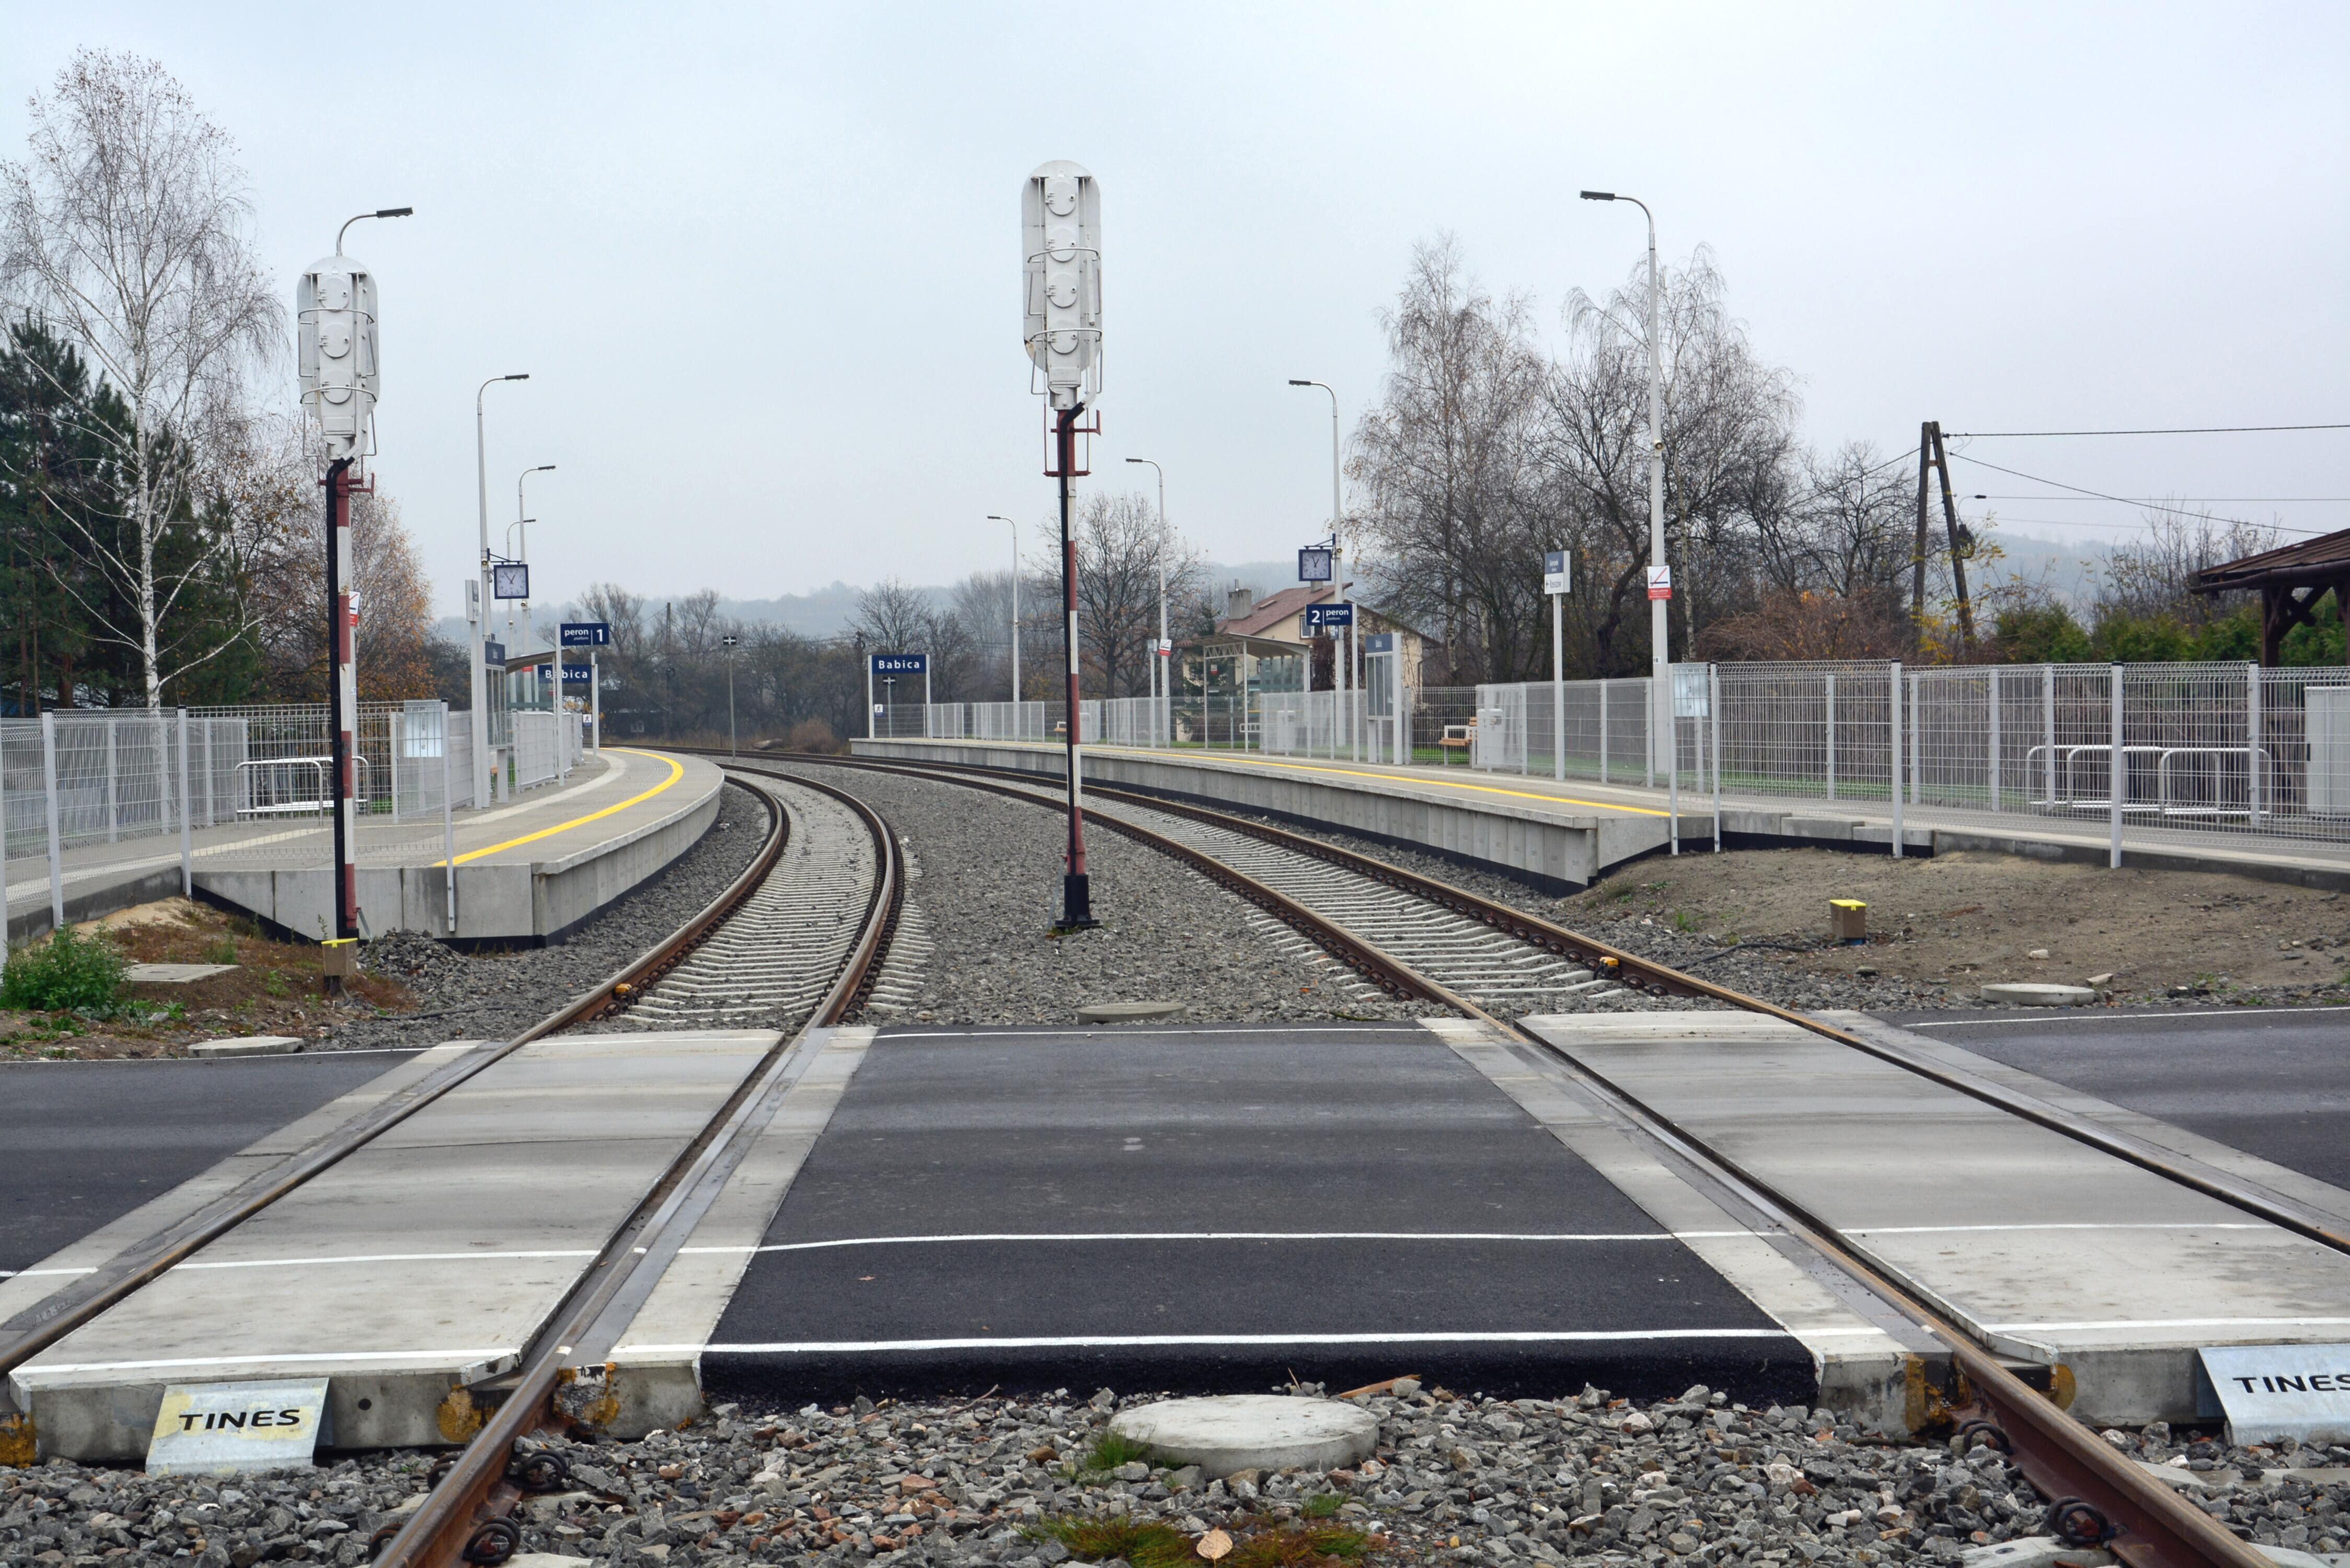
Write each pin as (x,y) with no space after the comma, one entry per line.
(2149,749)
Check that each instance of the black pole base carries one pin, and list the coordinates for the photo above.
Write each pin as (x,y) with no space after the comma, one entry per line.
(1077,905)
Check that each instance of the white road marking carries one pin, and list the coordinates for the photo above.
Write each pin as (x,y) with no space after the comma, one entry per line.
(2066,1225)
(1084,1342)
(348,1258)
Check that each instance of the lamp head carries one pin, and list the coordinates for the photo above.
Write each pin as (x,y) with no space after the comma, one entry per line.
(1599,195)
(1295,382)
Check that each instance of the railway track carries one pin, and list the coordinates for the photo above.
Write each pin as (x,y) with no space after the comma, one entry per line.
(1405,934)
(2097,1497)
(828,881)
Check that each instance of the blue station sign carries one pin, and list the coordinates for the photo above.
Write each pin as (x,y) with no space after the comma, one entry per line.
(901,664)
(587,634)
(1339,614)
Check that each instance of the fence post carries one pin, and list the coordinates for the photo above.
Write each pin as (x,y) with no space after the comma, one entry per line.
(2116,776)
(1998,801)
(1893,755)
(113,824)
(187,832)
(395,730)
(1831,734)
(57,848)
(2048,722)
(1713,706)
(448,821)
(1672,713)
(1916,741)
(1602,729)
(2253,758)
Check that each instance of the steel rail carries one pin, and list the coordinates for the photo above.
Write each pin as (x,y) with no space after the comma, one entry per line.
(55,1315)
(2096,1497)
(1638,972)
(463,1518)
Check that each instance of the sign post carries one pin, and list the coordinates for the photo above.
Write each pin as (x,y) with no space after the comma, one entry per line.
(1558,579)
(732,642)
(1336,616)
(1060,210)
(887,667)
(590,635)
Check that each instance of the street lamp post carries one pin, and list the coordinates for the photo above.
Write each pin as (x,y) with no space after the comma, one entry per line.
(732,642)
(993,517)
(523,523)
(1661,717)
(1354,640)
(1162,685)
(483,602)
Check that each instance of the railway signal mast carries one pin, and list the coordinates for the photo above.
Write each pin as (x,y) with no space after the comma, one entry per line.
(1060,209)
(334,305)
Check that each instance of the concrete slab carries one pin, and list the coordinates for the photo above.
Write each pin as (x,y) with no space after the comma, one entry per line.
(249,1046)
(424,1261)
(2046,1248)
(1126,1012)
(1204,1210)
(1252,1431)
(174,973)
(2032,993)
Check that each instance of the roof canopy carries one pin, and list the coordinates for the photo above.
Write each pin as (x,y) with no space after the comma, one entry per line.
(2321,563)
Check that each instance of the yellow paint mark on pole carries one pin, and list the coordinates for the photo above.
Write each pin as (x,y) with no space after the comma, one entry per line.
(676,772)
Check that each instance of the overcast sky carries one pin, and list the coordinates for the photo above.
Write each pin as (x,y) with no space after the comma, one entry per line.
(762,264)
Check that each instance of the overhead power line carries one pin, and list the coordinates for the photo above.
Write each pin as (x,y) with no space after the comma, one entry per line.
(2190,429)
(2101,495)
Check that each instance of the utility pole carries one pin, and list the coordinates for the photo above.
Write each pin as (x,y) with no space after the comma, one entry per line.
(1918,551)
(1961,542)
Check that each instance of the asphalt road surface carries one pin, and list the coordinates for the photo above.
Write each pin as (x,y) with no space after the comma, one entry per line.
(2273,1082)
(88,1142)
(1216,1209)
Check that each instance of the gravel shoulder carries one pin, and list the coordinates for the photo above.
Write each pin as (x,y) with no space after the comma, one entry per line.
(1941,928)
(1456,1477)
(990,885)
(495,995)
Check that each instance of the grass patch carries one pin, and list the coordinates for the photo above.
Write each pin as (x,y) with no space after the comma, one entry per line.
(66,974)
(1321,1505)
(1110,1451)
(1270,1546)
(1257,1541)
(1145,1544)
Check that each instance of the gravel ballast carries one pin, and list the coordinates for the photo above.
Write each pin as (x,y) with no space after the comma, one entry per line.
(1698,1480)
(991,886)
(493,996)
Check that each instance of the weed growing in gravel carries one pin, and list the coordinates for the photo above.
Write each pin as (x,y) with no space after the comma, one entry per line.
(1258,1543)
(1110,1451)
(221,952)
(1264,1543)
(67,972)
(1321,1505)
(1145,1544)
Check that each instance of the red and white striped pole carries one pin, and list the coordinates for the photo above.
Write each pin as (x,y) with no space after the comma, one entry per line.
(342,696)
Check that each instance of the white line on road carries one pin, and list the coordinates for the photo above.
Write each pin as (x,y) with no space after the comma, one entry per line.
(1086,1342)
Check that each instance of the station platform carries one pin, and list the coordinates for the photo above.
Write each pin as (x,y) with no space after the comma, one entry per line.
(1562,836)
(2042,1247)
(526,870)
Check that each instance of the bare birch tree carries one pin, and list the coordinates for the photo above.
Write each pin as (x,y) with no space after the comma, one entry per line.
(127,232)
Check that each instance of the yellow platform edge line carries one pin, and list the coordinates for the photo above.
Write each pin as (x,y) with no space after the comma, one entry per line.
(1366,773)
(676,772)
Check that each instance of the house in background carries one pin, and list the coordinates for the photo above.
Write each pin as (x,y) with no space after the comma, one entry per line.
(1273,629)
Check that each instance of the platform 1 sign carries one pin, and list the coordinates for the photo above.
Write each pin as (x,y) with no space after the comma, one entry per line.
(2269,1392)
(218,1429)
(587,634)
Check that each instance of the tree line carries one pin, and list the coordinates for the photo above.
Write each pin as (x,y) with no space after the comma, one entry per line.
(1485,450)
(162,535)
